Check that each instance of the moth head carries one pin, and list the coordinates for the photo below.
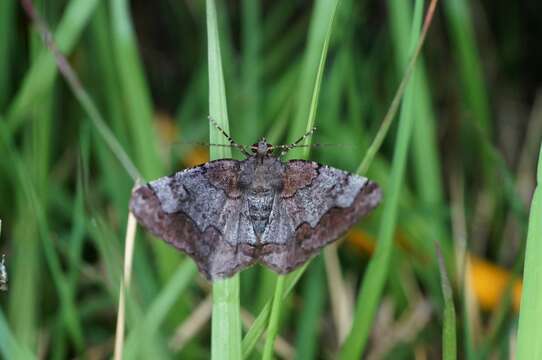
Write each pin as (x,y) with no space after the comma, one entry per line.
(262,148)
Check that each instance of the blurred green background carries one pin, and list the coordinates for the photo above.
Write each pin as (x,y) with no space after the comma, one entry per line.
(468,183)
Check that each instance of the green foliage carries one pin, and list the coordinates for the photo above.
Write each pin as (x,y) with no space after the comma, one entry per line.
(226,323)
(142,78)
(531,307)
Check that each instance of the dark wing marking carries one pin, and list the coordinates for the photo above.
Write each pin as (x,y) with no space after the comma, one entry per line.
(199,211)
(317,205)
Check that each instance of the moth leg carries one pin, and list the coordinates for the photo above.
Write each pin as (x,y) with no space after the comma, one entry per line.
(230,139)
(286,148)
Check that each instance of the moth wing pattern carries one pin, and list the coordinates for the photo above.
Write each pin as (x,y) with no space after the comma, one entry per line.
(316,206)
(197,211)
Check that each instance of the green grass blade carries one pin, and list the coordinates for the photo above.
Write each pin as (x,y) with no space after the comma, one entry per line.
(424,143)
(226,323)
(135,93)
(312,69)
(7,37)
(251,71)
(390,114)
(315,60)
(136,341)
(461,30)
(36,208)
(529,345)
(259,325)
(83,97)
(272,328)
(449,342)
(41,75)
(375,276)
(314,300)
(10,348)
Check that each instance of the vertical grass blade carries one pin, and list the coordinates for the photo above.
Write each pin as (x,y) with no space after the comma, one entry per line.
(314,301)
(529,345)
(315,59)
(273,327)
(449,342)
(251,70)
(424,143)
(462,33)
(10,348)
(134,90)
(312,70)
(375,277)
(7,37)
(226,323)
(131,228)
(82,96)
(136,341)
(258,327)
(41,232)
(390,114)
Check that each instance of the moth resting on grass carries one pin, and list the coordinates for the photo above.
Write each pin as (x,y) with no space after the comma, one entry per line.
(229,214)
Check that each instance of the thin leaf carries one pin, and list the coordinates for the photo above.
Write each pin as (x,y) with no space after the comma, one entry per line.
(226,323)
(258,326)
(40,77)
(10,348)
(136,341)
(377,271)
(324,14)
(449,343)
(530,327)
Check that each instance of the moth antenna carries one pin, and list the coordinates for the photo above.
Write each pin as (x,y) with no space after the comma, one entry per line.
(314,145)
(230,139)
(286,148)
(201,143)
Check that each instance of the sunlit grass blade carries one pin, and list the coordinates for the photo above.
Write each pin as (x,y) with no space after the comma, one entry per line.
(529,345)
(449,342)
(226,321)
(376,273)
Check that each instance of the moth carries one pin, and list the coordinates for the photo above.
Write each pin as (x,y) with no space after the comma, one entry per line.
(229,214)
(3,274)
